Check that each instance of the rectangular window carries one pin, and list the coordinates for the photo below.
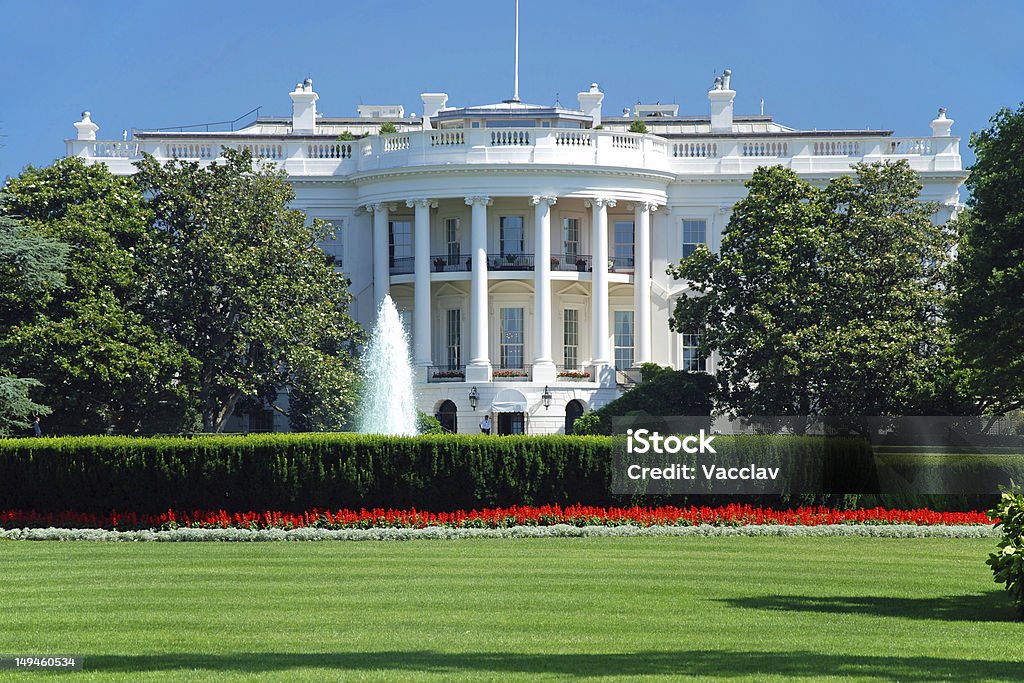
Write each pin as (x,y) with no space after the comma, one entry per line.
(695,231)
(623,340)
(451,238)
(334,247)
(511,343)
(399,241)
(623,244)
(570,338)
(261,420)
(511,234)
(692,360)
(454,338)
(571,239)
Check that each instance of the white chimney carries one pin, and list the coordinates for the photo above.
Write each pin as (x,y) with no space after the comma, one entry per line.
(590,103)
(941,126)
(86,128)
(304,108)
(721,97)
(433,102)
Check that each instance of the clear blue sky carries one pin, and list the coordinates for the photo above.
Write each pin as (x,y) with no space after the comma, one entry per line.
(880,64)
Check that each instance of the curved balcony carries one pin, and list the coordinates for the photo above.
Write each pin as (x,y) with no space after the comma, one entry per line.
(518,261)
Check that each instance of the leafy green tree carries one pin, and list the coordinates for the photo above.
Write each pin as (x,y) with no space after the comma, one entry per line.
(387,127)
(31,270)
(638,126)
(103,367)
(988,309)
(825,301)
(243,286)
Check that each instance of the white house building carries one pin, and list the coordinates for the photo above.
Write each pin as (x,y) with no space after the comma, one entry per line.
(526,245)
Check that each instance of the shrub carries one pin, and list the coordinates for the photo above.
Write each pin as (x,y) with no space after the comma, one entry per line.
(663,391)
(1008,561)
(428,424)
(638,127)
(387,127)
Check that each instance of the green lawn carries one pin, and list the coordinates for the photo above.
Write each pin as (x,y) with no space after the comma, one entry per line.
(546,609)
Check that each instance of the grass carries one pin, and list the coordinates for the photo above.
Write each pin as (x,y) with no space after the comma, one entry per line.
(656,609)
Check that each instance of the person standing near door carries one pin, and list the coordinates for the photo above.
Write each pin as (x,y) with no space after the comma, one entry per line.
(485,424)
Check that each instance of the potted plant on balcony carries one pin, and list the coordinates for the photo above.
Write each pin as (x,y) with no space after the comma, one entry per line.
(439,264)
(511,259)
(581,265)
(469,263)
(555,262)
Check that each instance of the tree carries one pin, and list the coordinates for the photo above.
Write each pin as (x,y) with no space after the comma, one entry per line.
(103,367)
(825,301)
(987,310)
(386,128)
(638,126)
(243,286)
(31,270)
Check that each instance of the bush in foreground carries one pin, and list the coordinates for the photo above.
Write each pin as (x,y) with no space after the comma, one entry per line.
(1008,561)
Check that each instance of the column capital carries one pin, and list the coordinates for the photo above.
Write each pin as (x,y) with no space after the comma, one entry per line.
(379,206)
(600,202)
(538,198)
(646,206)
(421,201)
(479,199)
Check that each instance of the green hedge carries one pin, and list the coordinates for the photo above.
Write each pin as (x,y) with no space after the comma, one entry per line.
(437,472)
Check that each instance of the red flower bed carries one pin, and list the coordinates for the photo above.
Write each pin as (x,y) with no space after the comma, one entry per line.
(490,518)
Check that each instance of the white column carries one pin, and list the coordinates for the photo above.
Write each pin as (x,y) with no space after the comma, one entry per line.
(642,281)
(381,266)
(421,276)
(479,367)
(601,357)
(543,365)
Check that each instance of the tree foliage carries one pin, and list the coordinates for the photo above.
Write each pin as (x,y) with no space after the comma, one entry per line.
(102,366)
(241,283)
(988,309)
(638,127)
(825,301)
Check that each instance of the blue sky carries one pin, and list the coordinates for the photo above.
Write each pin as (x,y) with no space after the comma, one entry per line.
(819,65)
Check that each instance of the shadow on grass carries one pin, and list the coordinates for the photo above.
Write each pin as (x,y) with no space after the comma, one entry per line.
(701,663)
(992,606)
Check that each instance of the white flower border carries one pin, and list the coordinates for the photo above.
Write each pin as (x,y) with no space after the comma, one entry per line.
(447,533)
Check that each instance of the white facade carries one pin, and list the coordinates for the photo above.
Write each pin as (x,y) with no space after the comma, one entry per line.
(527,247)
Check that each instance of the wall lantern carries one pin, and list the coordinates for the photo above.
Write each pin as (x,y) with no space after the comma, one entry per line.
(546,397)
(474,398)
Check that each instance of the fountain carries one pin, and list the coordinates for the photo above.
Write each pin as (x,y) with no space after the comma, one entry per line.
(387,403)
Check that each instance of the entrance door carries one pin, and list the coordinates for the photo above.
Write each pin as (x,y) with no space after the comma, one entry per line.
(511,423)
(447,415)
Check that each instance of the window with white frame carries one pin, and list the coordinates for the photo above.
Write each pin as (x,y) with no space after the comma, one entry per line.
(451,238)
(570,338)
(571,239)
(454,338)
(693,361)
(511,343)
(623,244)
(511,234)
(399,240)
(695,231)
(334,246)
(623,340)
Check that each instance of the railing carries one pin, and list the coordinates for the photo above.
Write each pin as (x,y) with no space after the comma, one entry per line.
(402,266)
(707,155)
(574,373)
(573,138)
(342,150)
(446,373)
(510,261)
(516,374)
(694,150)
(621,264)
(449,263)
(509,137)
(578,262)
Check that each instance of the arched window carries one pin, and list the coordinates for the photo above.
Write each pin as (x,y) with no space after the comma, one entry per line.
(573,409)
(447,416)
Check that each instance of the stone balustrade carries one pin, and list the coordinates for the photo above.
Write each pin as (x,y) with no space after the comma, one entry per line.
(704,155)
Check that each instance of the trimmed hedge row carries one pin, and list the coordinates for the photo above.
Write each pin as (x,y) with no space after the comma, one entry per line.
(296,472)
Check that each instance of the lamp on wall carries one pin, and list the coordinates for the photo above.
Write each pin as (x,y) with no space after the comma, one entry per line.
(546,397)
(474,398)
